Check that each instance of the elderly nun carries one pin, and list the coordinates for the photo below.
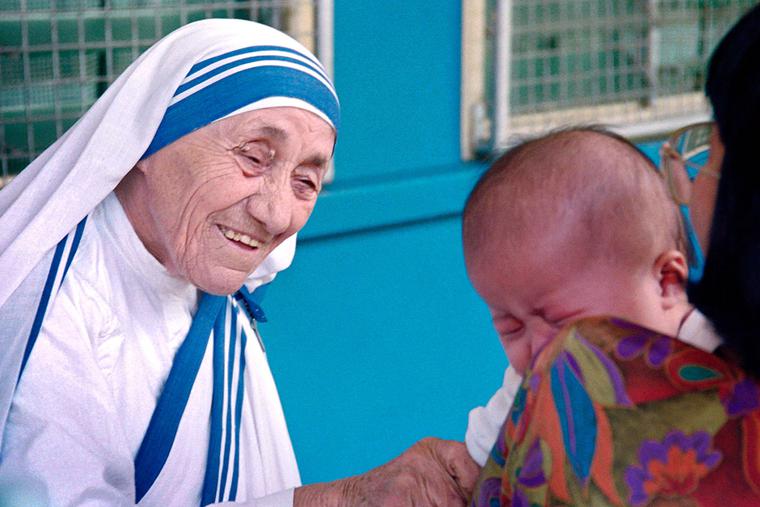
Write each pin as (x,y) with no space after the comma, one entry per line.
(133,253)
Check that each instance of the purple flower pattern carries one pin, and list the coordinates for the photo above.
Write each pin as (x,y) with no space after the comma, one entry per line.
(490,493)
(531,474)
(744,398)
(672,467)
(654,346)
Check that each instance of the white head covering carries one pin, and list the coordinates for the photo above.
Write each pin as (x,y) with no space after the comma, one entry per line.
(202,72)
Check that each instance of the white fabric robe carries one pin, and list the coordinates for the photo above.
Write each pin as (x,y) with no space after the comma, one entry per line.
(47,200)
(91,383)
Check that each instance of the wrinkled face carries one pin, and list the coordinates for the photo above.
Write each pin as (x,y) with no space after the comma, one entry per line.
(704,191)
(220,199)
(532,294)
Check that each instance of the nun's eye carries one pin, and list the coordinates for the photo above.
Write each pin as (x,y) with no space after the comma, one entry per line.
(256,157)
(307,182)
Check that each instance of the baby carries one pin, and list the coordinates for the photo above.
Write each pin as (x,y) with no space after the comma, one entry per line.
(571,224)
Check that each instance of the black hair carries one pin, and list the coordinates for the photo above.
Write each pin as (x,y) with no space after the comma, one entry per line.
(729,292)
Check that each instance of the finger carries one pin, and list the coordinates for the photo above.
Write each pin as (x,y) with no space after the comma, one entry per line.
(459,464)
(668,151)
(416,477)
(427,461)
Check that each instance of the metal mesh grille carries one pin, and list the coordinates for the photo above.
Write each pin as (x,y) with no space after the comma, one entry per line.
(623,62)
(58,56)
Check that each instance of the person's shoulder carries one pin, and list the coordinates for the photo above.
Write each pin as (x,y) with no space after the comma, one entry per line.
(83,302)
(603,335)
(87,273)
(625,349)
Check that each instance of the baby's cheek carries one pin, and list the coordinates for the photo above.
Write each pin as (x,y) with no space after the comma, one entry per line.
(540,338)
(518,354)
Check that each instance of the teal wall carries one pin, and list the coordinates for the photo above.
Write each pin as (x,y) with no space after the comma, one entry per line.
(397,66)
(376,338)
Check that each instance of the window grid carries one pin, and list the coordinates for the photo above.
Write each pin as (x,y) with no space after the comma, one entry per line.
(58,56)
(628,63)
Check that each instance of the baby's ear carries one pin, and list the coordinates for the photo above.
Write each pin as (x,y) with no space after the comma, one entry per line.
(671,270)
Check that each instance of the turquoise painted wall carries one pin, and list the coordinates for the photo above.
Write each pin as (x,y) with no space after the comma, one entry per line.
(397,67)
(376,341)
(375,336)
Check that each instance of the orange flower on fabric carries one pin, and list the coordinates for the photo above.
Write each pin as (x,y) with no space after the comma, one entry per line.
(671,468)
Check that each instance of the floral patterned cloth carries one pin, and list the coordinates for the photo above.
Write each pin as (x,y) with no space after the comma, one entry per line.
(615,414)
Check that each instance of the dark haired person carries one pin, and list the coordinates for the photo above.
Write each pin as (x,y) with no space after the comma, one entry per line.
(727,219)
(615,414)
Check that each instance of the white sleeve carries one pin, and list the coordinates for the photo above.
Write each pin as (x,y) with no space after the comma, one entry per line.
(63,434)
(485,422)
(279,499)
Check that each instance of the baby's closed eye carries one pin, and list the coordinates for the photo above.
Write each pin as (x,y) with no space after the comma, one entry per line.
(507,326)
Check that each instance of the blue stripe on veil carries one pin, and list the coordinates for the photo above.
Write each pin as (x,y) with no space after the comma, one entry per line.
(238,414)
(52,284)
(228,433)
(217,317)
(159,437)
(210,481)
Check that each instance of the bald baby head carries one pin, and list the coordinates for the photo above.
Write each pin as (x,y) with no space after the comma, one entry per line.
(583,189)
(573,224)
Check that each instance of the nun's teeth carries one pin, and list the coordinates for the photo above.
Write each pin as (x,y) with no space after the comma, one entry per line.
(240,238)
(254,244)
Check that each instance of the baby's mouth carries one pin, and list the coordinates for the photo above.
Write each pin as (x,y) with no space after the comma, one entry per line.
(239,237)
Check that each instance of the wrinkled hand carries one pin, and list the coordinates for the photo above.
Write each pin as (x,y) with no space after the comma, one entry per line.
(432,472)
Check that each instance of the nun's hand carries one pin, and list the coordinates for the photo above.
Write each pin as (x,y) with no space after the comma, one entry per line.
(432,472)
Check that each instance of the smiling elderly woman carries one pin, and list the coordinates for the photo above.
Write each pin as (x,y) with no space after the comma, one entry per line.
(213,205)
(131,252)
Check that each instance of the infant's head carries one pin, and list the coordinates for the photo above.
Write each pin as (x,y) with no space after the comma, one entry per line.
(573,224)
